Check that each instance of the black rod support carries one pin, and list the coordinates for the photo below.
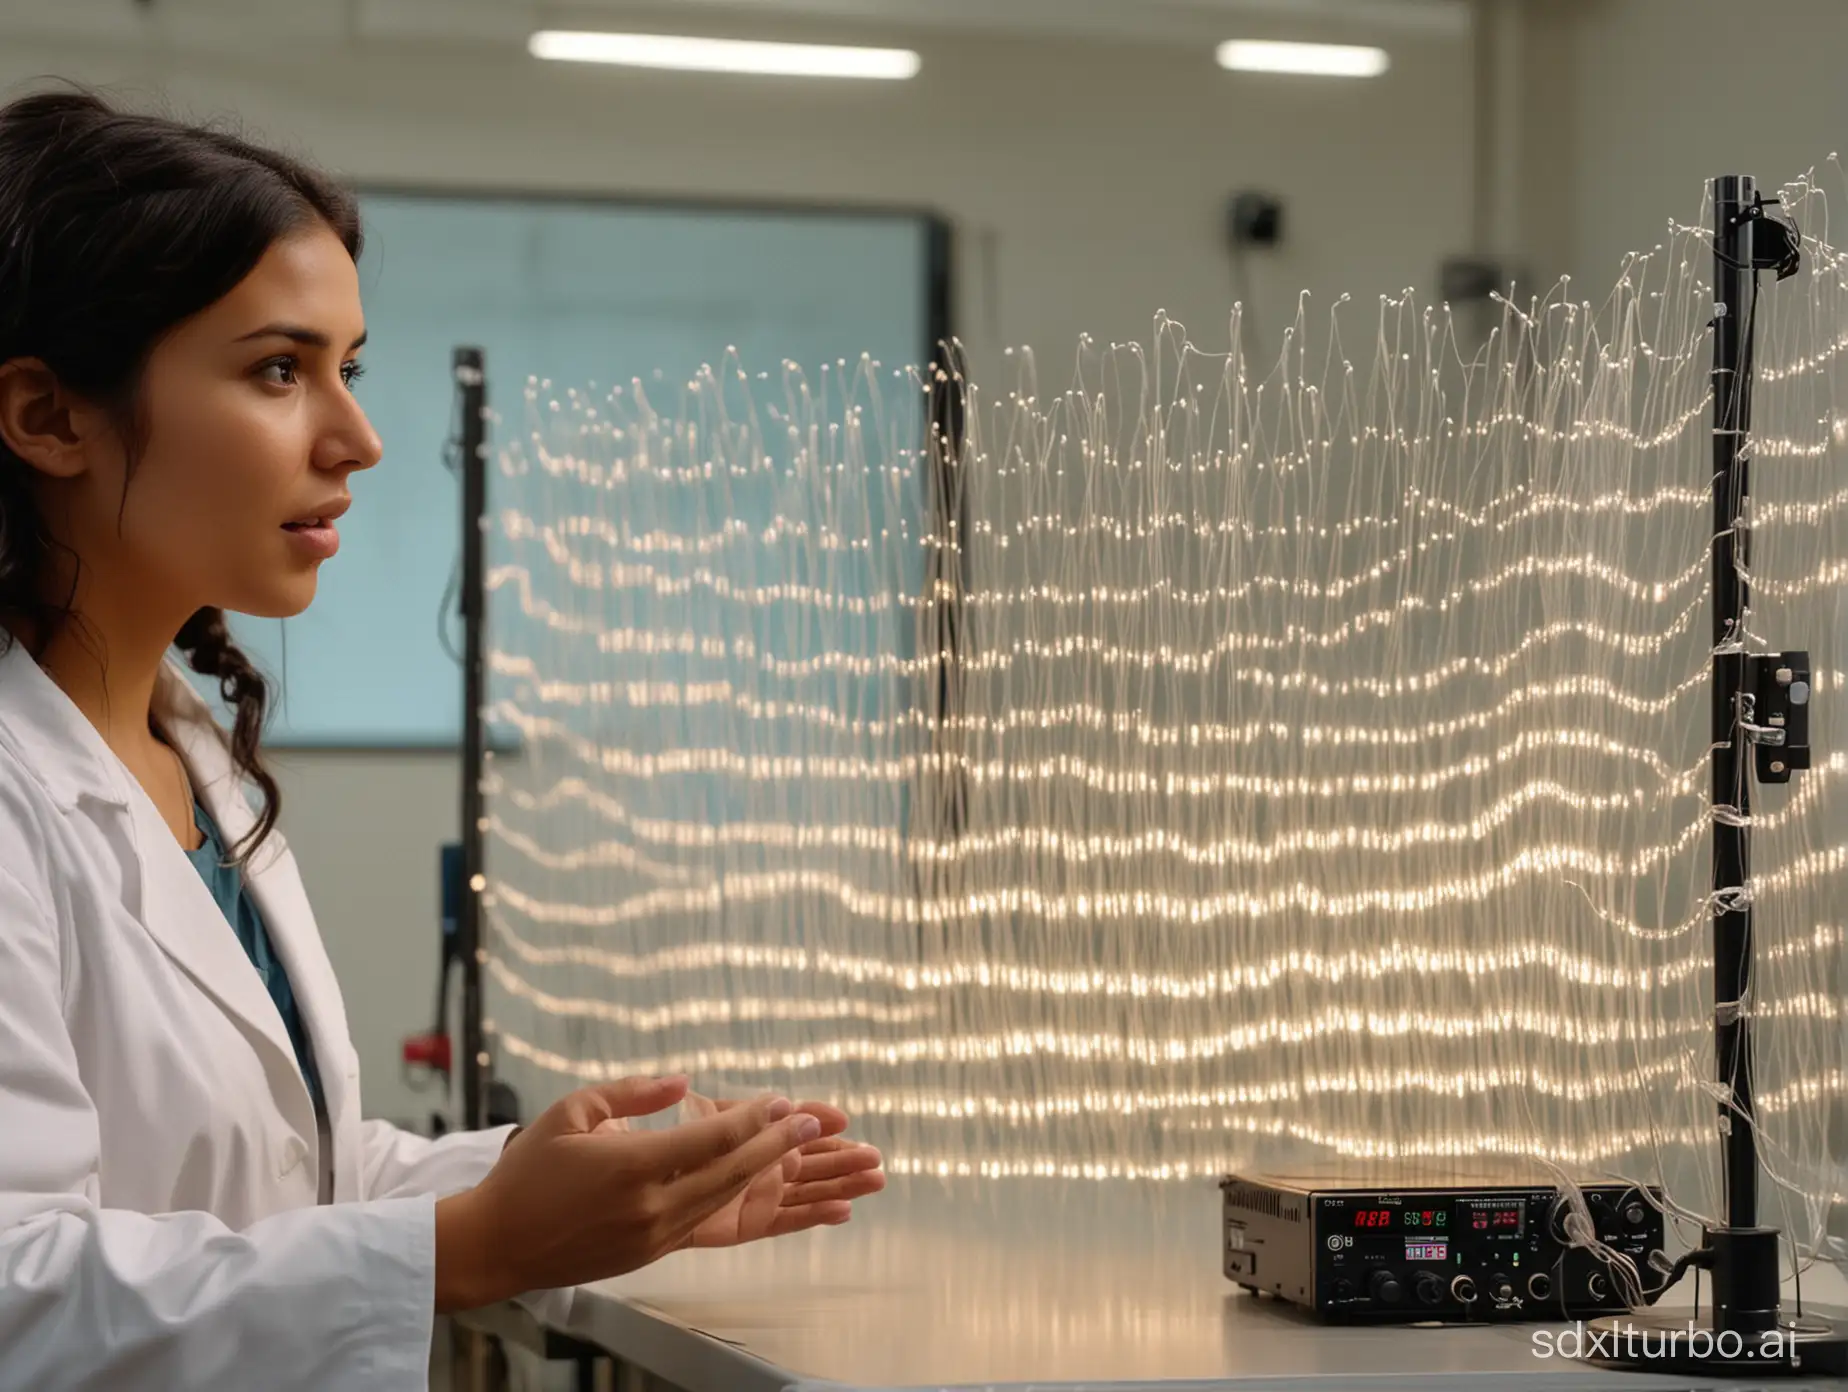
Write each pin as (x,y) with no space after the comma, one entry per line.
(1735,294)
(472,395)
(1745,1285)
(1741,1257)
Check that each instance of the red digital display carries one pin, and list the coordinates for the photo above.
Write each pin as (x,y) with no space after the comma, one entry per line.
(1500,1218)
(1408,1219)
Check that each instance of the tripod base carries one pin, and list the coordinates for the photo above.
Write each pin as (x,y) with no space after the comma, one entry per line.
(1661,1342)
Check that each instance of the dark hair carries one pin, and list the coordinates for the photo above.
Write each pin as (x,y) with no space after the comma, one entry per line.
(115,226)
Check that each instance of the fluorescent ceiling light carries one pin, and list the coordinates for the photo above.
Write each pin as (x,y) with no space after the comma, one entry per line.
(723,55)
(1317,59)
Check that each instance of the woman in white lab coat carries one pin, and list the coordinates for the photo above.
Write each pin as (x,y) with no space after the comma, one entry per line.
(188,1196)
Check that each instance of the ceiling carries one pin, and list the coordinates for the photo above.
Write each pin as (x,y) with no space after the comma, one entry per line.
(1189,20)
(224,23)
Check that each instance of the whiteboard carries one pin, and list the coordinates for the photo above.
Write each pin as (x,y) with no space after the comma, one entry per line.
(574,291)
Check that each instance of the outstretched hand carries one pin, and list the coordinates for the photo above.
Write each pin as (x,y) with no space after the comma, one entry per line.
(813,1186)
(579,1196)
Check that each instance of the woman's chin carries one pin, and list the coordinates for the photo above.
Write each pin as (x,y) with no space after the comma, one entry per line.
(283,602)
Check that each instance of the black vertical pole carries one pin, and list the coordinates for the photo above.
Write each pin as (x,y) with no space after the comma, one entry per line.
(1742,1257)
(945,507)
(471,388)
(947,577)
(1735,290)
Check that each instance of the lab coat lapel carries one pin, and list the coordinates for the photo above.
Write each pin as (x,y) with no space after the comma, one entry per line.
(181,915)
(160,886)
(276,887)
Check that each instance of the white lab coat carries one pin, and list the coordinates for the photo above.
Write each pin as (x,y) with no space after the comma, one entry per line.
(159,1153)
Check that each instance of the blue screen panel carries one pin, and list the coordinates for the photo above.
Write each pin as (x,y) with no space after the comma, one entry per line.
(579,293)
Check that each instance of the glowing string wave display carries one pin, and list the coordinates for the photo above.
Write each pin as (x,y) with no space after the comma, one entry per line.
(1207,762)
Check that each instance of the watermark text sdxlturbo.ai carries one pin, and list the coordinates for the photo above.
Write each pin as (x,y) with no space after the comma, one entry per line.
(1579,1341)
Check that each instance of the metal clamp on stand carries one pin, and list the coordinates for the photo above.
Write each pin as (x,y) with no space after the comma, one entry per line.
(1774,712)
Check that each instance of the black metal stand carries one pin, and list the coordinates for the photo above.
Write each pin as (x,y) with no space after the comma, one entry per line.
(941,806)
(471,388)
(1735,290)
(1754,701)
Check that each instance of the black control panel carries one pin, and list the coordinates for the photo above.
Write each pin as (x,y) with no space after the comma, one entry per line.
(1436,1253)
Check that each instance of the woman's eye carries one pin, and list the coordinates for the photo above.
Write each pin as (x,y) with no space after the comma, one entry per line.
(351,372)
(281,371)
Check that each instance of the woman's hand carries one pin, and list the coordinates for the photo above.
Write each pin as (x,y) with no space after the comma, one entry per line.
(578,1197)
(814,1186)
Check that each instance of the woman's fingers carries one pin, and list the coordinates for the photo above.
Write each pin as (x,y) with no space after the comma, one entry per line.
(716,1156)
(713,1184)
(716,1139)
(831,1164)
(844,1188)
(595,1108)
(793,1220)
(828,1145)
(833,1120)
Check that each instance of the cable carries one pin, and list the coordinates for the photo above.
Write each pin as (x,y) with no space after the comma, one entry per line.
(447,607)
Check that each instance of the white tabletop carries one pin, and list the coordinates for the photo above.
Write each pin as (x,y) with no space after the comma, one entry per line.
(967,1286)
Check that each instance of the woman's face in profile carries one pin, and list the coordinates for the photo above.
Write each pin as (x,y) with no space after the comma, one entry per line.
(250,433)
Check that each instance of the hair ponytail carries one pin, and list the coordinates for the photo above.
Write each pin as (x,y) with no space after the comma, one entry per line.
(205,639)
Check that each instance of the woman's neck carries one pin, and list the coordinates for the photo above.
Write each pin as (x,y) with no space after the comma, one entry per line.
(108,666)
(110,672)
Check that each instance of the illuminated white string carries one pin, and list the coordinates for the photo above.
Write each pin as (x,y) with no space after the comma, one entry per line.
(1218,763)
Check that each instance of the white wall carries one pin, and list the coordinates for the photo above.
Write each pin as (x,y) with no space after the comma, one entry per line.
(1642,101)
(1085,180)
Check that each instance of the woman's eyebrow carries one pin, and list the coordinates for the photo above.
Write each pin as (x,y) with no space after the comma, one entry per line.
(309,338)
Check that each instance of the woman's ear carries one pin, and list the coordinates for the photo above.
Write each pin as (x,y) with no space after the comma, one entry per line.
(41,422)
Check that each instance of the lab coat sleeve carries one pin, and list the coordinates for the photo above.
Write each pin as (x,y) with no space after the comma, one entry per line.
(95,1298)
(400,1163)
